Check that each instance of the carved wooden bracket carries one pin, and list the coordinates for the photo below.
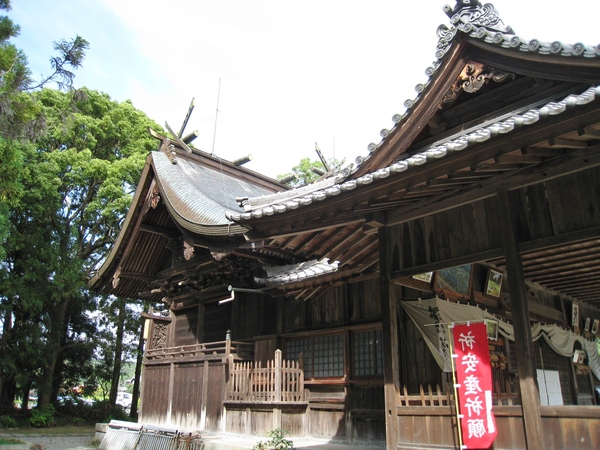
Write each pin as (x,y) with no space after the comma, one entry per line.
(472,78)
(116,277)
(188,250)
(155,197)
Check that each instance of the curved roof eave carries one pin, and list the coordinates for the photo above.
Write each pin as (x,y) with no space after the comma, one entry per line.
(431,153)
(198,198)
(109,265)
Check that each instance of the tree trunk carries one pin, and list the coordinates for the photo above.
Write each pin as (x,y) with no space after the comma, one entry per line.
(25,392)
(116,376)
(133,413)
(53,345)
(5,403)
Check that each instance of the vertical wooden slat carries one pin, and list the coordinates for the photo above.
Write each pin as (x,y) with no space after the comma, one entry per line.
(278,375)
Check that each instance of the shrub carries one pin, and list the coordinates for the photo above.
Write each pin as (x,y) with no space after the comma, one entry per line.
(277,441)
(7,422)
(42,417)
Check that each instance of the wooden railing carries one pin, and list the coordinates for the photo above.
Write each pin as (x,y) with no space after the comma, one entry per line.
(279,382)
(429,397)
(205,351)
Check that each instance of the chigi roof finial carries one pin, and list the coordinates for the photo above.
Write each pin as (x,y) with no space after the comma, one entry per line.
(469,13)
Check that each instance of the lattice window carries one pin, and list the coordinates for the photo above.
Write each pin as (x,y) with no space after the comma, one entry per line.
(368,353)
(323,355)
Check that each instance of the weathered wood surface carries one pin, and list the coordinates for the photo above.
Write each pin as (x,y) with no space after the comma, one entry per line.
(199,352)
(563,212)
(576,428)
(184,395)
(281,381)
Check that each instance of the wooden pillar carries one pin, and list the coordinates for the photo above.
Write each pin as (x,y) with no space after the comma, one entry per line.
(530,397)
(389,321)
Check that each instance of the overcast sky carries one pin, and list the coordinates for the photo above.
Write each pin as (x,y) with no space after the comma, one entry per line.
(292,73)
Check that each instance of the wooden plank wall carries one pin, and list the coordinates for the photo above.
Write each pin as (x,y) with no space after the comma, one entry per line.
(187,395)
(254,315)
(155,402)
(185,325)
(567,204)
(194,387)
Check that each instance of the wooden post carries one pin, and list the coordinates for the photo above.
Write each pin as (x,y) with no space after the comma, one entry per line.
(228,343)
(530,397)
(277,375)
(389,319)
(277,409)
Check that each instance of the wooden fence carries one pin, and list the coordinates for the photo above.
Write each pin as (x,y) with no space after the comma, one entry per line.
(279,381)
(429,397)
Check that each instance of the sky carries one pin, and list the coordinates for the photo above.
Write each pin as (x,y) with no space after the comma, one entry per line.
(270,77)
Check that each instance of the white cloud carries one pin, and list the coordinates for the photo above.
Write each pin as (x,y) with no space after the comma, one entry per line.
(292,72)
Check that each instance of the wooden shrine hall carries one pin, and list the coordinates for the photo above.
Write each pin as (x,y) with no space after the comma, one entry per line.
(319,309)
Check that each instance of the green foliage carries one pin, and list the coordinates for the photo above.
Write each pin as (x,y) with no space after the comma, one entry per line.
(10,441)
(277,441)
(74,190)
(307,171)
(43,417)
(7,422)
(304,172)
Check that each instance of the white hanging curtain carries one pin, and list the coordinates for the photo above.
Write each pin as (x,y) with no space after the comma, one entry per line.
(430,317)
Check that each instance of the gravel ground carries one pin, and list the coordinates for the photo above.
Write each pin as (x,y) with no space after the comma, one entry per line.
(56,442)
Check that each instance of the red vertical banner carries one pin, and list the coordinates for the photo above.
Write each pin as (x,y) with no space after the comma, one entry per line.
(474,385)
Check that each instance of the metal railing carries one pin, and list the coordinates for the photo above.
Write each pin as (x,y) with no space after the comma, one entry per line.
(132,436)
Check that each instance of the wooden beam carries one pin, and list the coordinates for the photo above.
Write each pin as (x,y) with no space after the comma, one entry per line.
(530,396)
(588,132)
(137,276)
(573,162)
(165,232)
(391,363)
(567,143)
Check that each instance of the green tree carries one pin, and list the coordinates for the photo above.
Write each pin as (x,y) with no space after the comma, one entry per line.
(79,180)
(21,118)
(304,172)
(307,171)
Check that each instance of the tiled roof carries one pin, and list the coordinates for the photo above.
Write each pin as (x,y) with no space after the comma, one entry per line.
(198,197)
(478,21)
(297,272)
(288,202)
